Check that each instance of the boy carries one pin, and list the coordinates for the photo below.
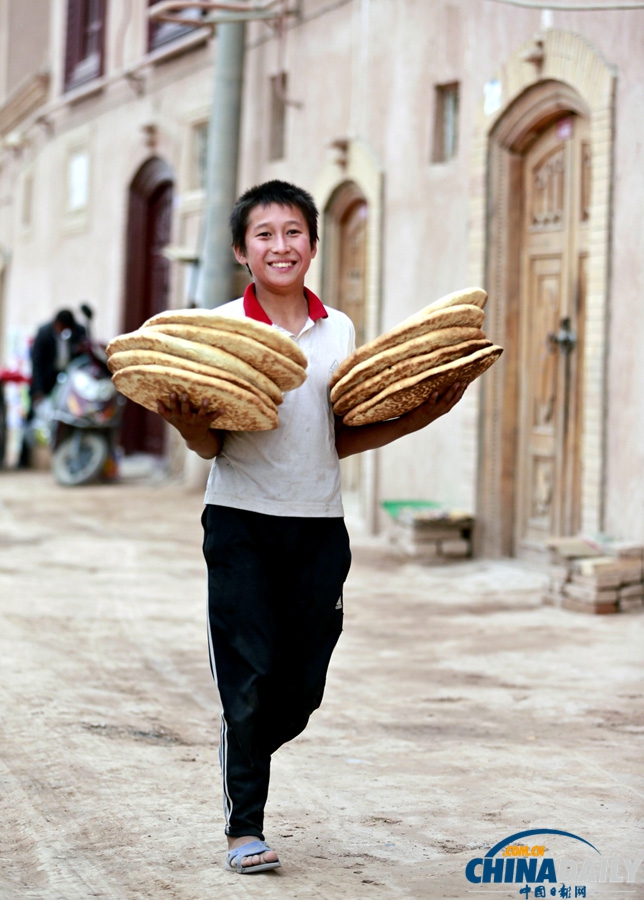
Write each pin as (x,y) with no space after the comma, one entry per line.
(275,542)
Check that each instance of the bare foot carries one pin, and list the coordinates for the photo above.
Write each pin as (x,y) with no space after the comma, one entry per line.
(267,857)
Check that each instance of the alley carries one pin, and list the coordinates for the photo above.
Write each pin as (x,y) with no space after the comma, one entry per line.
(459,711)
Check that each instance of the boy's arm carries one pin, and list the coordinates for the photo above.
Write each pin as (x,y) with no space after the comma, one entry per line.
(350,440)
(193,424)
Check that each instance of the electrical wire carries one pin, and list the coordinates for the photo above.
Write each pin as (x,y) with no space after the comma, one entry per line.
(570,7)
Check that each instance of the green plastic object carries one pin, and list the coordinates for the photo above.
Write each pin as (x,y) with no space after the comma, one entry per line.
(395,507)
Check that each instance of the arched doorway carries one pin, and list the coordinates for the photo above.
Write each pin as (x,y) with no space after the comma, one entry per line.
(345,279)
(540,176)
(147,283)
(559,77)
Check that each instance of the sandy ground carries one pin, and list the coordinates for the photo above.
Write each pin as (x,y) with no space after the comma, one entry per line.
(458,711)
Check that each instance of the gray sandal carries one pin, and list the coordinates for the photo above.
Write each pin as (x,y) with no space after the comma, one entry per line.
(235,856)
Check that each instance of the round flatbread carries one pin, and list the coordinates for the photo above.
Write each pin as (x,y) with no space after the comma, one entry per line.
(426,343)
(286,374)
(196,352)
(474,295)
(406,368)
(258,331)
(243,411)
(127,358)
(408,393)
(466,315)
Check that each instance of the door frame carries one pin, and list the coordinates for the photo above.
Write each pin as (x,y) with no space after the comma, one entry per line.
(536,96)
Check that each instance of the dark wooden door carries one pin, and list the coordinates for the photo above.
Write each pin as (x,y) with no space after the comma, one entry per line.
(147,284)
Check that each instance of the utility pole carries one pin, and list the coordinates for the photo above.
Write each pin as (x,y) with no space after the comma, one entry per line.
(216,261)
(215,276)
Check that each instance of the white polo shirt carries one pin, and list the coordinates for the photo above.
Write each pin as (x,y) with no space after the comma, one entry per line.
(293,470)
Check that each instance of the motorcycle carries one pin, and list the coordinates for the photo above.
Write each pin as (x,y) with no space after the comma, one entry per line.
(85,417)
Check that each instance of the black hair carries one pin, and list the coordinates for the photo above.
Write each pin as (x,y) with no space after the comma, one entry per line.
(281,192)
(65,318)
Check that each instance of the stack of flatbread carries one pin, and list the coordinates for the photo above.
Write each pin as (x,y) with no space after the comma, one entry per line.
(433,349)
(237,365)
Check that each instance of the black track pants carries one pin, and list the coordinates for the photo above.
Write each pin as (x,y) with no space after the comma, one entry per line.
(275,615)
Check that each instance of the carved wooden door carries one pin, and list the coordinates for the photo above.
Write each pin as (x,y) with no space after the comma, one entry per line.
(351,281)
(351,299)
(553,284)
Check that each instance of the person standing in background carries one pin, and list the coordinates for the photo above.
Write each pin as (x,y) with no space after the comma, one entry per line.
(55,344)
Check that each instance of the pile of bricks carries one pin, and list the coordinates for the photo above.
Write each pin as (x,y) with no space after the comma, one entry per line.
(595,576)
(432,536)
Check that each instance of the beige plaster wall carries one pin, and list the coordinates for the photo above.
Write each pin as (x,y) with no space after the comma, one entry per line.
(61,260)
(27,49)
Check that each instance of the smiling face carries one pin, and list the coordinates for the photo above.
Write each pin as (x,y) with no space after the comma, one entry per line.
(278,248)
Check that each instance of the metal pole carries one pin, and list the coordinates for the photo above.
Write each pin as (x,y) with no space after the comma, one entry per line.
(214,285)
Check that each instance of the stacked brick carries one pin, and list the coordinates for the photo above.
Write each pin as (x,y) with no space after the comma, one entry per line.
(432,536)
(595,577)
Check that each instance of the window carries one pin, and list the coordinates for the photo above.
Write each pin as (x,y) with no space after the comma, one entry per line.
(199,161)
(77,183)
(445,122)
(84,52)
(161,33)
(77,180)
(26,213)
(278,116)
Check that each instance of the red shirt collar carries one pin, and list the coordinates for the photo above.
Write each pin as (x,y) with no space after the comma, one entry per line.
(254,310)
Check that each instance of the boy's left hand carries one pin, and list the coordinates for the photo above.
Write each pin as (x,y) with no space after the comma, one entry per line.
(350,440)
(436,405)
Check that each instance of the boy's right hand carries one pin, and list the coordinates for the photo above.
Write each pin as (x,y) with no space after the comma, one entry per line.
(193,424)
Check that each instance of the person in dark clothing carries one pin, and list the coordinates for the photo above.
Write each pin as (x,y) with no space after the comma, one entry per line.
(55,344)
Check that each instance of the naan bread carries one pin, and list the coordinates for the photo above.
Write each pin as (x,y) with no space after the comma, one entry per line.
(127,358)
(243,411)
(406,368)
(258,331)
(408,393)
(474,295)
(426,343)
(195,351)
(464,315)
(286,374)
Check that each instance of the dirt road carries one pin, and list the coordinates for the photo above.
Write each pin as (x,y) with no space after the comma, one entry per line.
(458,711)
